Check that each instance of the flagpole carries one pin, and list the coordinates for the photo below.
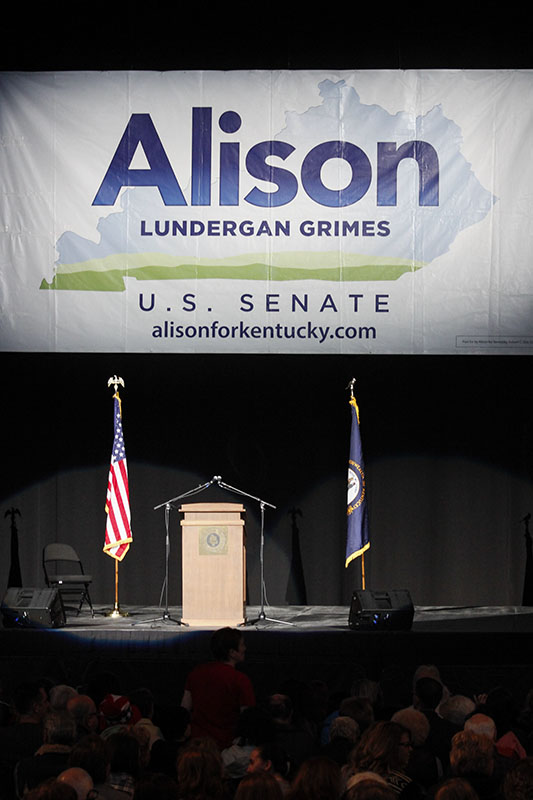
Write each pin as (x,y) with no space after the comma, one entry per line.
(116,612)
(357,541)
(363,577)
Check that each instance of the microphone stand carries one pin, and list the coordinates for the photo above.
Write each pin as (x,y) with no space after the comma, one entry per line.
(168,504)
(262,503)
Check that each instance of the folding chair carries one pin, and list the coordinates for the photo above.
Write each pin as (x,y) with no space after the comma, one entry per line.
(63,570)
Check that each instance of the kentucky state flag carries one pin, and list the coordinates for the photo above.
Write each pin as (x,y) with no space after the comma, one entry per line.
(357,539)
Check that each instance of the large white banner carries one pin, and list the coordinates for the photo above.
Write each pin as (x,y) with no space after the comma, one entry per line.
(258,212)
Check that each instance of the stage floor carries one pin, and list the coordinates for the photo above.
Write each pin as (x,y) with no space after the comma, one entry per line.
(308,618)
(475,648)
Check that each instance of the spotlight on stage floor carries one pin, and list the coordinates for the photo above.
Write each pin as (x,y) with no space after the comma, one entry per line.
(32,608)
(378,611)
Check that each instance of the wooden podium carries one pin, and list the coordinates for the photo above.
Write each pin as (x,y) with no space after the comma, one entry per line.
(213,564)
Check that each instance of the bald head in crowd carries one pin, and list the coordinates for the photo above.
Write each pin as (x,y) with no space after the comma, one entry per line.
(84,711)
(79,779)
(482,725)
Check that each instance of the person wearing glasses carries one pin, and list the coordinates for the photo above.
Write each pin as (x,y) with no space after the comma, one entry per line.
(384,749)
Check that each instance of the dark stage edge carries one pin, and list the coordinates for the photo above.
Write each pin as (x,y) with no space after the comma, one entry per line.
(475,648)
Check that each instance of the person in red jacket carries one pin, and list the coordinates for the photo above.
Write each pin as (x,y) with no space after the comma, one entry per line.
(216,692)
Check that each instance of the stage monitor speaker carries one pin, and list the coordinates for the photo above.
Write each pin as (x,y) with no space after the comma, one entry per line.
(384,611)
(32,608)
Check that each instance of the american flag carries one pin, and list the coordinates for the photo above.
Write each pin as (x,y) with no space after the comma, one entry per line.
(118,534)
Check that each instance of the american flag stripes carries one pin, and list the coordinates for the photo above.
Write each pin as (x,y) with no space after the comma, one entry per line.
(118,534)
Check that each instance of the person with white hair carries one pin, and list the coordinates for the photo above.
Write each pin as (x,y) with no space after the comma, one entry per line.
(60,695)
(344,727)
(343,736)
(481,724)
(456,709)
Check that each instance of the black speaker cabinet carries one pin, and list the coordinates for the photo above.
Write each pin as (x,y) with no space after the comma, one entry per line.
(372,611)
(32,608)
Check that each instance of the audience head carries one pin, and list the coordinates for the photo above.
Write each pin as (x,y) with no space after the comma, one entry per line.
(90,754)
(370,690)
(358,708)
(456,789)
(471,754)
(318,778)
(205,743)
(60,695)
(142,735)
(52,789)
(59,727)
(259,786)
(415,722)
(269,757)
(426,671)
(518,782)
(116,709)
(227,644)
(368,786)
(79,779)
(280,708)
(83,709)
(344,728)
(481,724)
(30,700)
(383,747)
(456,709)
(200,772)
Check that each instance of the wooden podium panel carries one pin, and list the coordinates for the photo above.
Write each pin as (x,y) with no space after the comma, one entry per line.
(213,564)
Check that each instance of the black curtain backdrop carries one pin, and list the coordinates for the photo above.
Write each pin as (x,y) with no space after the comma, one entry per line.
(446,439)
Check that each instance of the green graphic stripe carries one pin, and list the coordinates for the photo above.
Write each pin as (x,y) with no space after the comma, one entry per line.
(112,280)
